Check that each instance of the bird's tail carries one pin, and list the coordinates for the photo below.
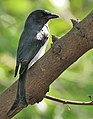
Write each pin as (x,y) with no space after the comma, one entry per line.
(20,95)
(21,83)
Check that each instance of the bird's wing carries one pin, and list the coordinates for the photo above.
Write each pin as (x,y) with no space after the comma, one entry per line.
(28,48)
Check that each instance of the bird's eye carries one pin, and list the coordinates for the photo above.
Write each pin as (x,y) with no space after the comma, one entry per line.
(42,15)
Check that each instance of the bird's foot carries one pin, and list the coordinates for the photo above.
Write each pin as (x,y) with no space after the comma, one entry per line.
(20,103)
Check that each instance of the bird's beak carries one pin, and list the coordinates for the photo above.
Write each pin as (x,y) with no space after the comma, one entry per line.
(52,16)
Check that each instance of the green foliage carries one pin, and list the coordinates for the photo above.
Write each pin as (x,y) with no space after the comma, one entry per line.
(76,83)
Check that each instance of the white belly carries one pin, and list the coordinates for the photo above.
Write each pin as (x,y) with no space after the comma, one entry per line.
(38,55)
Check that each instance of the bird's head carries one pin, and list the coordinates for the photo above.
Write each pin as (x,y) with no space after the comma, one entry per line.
(41,16)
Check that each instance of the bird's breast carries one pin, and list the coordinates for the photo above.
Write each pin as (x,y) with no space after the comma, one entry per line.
(40,53)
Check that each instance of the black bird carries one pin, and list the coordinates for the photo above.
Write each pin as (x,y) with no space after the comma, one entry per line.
(31,47)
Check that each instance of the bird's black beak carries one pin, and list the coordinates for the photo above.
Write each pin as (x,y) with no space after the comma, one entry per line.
(52,16)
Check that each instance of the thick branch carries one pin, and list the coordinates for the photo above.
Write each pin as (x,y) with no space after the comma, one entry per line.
(63,53)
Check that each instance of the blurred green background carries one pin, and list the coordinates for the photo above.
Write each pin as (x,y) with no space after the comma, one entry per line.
(76,83)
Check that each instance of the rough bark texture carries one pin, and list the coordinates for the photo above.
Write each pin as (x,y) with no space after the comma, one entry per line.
(61,55)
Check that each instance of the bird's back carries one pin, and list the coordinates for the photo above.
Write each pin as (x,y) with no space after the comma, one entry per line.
(31,47)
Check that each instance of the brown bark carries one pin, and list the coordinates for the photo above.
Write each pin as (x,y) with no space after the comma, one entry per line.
(64,52)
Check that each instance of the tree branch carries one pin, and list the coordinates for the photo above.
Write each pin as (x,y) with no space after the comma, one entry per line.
(68,101)
(64,52)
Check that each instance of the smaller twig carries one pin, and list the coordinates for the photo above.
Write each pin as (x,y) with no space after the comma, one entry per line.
(74,22)
(68,101)
(54,38)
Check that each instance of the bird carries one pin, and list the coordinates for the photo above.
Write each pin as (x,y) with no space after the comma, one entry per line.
(31,47)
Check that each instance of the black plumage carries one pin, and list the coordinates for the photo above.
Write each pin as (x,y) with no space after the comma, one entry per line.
(31,47)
